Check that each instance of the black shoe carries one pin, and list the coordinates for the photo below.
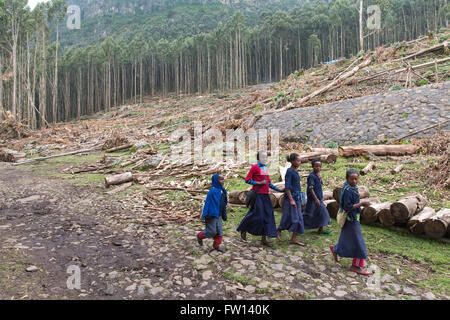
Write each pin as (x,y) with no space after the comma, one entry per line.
(200,241)
(244,235)
(220,249)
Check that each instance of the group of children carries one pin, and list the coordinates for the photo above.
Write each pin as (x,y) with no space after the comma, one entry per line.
(260,219)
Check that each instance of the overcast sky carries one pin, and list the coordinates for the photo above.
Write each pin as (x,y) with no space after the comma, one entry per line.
(33,3)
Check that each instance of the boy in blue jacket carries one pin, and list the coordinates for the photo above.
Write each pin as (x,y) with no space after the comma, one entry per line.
(214,211)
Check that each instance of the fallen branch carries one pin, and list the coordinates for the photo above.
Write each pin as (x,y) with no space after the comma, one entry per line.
(57,155)
(125,146)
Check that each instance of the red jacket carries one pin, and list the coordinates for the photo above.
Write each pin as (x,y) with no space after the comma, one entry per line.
(257,174)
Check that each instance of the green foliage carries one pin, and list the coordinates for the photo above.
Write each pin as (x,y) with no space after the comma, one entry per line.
(422,82)
(396,87)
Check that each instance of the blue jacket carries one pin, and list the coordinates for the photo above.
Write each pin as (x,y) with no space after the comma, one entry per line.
(216,200)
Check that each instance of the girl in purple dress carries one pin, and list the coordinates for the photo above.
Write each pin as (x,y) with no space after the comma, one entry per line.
(316,214)
(292,219)
(351,242)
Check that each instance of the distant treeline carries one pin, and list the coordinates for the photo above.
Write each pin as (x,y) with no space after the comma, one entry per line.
(40,83)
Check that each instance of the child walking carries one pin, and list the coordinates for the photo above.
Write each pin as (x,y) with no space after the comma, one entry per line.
(316,214)
(214,211)
(260,220)
(292,219)
(351,242)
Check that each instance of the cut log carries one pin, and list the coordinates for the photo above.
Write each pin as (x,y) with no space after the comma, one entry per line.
(328,195)
(378,150)
(278,197)
(324,150)
(273,199)
(363,193)
(58,155)
(439,47)
(370,166)
(437,226)
(370,213)
(328,158)
(332,207)
(123,147)
(309,156)
(397,169)
(385,217)
(403,209)
(236,197)
(417,223)
(118,179)
(11,155)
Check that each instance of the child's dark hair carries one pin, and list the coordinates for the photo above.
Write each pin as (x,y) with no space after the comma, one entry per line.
(291,157)
(314,161)
(350,172)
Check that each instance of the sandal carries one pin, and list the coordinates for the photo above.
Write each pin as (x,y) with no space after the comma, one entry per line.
(325,232)
(359,271)
(301,244)
(200,241)
(279,235)
(334,253)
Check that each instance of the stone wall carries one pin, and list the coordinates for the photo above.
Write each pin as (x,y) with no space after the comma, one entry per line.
(369,119)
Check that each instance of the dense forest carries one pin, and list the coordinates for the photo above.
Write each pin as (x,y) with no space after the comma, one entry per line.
(43,82)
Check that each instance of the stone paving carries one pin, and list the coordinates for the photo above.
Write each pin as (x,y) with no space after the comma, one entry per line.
(368,119)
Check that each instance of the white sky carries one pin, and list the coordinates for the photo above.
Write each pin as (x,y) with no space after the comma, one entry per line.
(32,3)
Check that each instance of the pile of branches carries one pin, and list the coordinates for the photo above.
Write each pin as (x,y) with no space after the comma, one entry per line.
(437,173)
(435,145)
(13,129)
(115,140)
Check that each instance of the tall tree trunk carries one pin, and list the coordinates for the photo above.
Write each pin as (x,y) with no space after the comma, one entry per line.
(55,84)
(43,82)
(361,32)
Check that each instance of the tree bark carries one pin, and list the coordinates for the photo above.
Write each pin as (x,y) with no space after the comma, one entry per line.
(378,150)
(332,207)
(370,166)
(417,223)
(237,197)
(438,225)
(118,179)
(403,209)
(370,213)
(386,218)
(363,193)
(397,169)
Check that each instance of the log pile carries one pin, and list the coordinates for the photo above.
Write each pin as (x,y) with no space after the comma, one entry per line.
(11,155)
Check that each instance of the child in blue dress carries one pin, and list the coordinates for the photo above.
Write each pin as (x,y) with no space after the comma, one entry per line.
(351,242)
(316,214)
(292,219)
(214,211)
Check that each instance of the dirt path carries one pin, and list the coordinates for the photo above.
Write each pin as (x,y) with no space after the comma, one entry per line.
(52,223)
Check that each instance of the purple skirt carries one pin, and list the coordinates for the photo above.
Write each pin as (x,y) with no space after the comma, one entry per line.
(292,219)
(316,216)
(260,221)
(351,242)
